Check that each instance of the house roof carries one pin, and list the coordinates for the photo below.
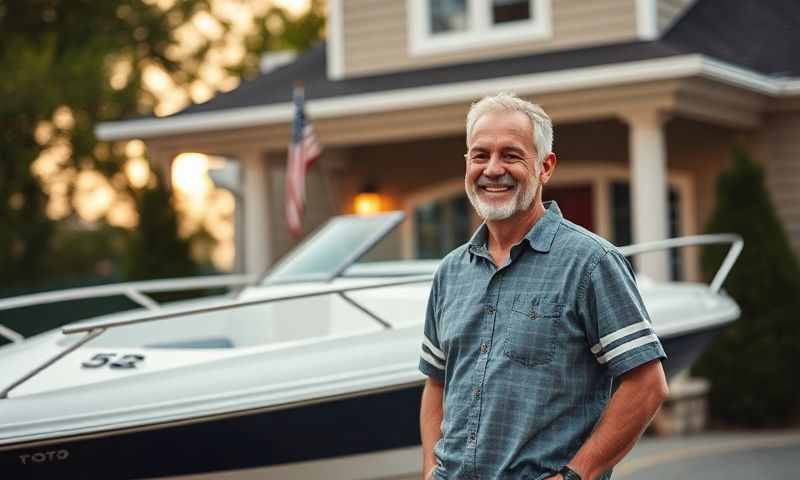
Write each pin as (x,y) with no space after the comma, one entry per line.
(753,35)
(760,36)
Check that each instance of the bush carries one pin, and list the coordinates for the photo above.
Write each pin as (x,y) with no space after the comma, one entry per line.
(750,364)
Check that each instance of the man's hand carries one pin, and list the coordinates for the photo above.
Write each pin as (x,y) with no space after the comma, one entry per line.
(430,420)
(632,406)
(555,477)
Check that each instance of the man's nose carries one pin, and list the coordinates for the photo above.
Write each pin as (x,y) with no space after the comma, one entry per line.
(495,166)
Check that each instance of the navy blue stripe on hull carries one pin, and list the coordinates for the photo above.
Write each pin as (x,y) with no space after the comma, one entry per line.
(682,351)
(369,423)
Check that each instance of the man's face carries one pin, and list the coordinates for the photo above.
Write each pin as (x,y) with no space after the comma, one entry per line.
(501,165)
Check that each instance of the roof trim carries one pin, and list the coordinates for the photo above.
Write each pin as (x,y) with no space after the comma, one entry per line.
(680,66)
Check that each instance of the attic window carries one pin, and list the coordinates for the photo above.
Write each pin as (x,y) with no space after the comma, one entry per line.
(448,16)
(440,26)
(504,11)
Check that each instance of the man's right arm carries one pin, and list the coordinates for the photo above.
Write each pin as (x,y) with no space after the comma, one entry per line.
(430,422)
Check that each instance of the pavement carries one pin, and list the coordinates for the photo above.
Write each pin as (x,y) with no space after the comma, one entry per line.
(715,456)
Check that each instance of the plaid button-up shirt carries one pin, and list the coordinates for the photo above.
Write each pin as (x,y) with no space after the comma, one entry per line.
(528,351)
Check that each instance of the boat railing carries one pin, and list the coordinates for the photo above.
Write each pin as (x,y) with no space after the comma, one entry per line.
(134,291)
(93,329)
(736,241)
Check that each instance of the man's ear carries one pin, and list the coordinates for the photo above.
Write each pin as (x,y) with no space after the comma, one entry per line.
(548,167)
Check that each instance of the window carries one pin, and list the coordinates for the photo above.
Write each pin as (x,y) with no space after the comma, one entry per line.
(448,16)
(623,226)
(505,11)
(437,26)
(441,225)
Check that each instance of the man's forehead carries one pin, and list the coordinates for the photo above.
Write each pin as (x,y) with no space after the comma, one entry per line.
(513,123)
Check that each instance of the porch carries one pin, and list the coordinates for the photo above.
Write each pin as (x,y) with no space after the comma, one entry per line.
(636,163)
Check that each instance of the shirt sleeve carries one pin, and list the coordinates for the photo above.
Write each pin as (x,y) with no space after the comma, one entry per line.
(617,323)
(432,359)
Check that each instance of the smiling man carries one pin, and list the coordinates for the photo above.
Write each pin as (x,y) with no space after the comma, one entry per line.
(529,324)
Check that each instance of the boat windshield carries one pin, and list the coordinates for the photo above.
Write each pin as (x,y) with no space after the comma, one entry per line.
(338,244)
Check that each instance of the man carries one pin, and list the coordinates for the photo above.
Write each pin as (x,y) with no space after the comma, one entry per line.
(528,325)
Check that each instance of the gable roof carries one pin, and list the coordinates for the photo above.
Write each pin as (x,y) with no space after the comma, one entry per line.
(752,34)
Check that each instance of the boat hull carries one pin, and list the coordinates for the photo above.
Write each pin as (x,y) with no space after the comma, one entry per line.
(376,422)
(350,426)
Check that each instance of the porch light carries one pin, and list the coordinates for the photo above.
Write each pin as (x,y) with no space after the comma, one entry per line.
(368,201)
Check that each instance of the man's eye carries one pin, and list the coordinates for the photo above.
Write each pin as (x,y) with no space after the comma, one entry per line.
(479,157)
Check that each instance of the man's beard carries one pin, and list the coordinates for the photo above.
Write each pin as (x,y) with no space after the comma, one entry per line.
(522,199)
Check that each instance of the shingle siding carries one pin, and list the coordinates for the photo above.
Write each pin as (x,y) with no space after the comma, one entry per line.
(783,171)
(376,34)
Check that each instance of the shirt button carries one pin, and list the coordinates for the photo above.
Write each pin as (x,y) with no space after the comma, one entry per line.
(490,310)
(472,437)
(484,348)
(477,392)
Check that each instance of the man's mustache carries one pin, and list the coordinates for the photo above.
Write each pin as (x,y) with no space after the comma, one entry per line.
(505,180)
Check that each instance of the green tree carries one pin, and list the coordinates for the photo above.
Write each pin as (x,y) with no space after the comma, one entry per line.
(84,62)
(750,364)
(151,254)
(57,57)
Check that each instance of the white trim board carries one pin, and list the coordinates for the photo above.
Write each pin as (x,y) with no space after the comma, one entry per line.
(682,66)
(480,31)
(335,47)
(647,19)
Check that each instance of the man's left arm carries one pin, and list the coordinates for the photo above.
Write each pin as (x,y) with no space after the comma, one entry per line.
(624,343)
(631,408)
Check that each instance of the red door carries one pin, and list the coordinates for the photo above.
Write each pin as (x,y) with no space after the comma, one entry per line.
(575,202)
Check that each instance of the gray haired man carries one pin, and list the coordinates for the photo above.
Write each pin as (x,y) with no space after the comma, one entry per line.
(529,324)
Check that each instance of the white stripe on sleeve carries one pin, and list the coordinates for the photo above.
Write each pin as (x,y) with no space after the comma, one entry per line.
(626,347)
(622,332)
(438,353)
(432,360)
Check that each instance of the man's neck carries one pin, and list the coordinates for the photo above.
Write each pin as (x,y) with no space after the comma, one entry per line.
(504,234)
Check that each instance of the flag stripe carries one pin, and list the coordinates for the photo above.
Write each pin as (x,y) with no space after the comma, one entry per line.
(304,149)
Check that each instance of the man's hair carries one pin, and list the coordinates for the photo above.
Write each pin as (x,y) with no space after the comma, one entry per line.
(508,102)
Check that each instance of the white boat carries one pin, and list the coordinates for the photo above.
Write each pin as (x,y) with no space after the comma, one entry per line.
(310,372)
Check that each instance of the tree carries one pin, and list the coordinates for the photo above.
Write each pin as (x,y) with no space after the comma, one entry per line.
(69,64)
(749,363)
(151,254)
(57,57)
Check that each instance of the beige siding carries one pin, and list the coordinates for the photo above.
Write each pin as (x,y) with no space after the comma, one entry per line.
(376,34)
(782,146)
(669,11)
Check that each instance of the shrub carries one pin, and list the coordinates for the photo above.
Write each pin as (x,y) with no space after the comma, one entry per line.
(750,363)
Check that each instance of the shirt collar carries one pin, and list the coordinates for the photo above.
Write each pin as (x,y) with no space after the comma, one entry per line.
(540,236)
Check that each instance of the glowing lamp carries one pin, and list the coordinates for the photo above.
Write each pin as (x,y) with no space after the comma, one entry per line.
(368,202)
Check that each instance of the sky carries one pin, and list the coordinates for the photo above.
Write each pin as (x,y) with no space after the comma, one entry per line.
(200,203)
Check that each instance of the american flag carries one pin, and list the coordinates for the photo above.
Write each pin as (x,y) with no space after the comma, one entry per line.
(303,150)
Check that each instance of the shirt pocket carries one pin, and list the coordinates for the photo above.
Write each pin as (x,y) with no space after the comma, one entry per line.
(532,331)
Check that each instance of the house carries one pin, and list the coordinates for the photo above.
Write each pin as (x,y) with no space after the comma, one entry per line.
(648,98)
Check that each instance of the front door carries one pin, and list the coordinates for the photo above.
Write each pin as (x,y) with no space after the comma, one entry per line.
(575,202)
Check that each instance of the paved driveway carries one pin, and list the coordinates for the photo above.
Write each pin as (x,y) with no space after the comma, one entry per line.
(715,456)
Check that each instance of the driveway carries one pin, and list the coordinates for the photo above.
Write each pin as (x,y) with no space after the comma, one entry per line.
(715,456)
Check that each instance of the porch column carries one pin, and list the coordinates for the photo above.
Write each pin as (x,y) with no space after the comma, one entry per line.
(649,207)
(257,242)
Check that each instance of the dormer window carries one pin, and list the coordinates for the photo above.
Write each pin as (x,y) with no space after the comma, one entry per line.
(438,26)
